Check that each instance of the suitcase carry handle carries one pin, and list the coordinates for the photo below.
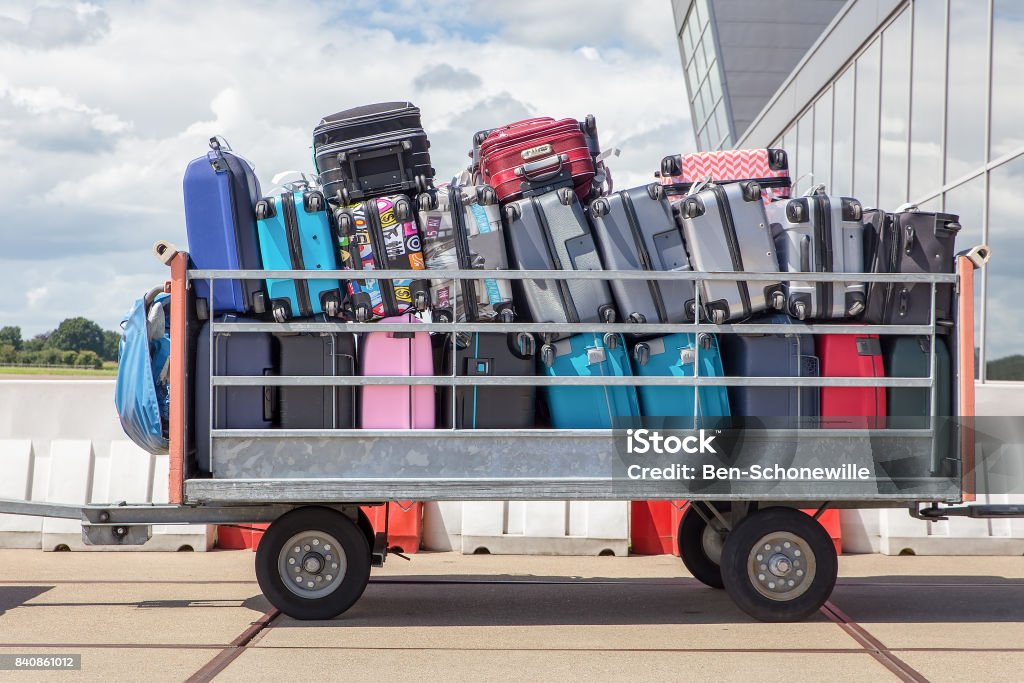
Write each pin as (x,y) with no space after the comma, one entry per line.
(529,170)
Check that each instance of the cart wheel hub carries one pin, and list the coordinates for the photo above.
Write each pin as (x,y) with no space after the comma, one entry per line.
(313,563)
(779,565)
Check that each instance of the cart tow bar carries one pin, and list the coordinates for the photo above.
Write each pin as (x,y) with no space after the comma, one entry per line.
(935,513)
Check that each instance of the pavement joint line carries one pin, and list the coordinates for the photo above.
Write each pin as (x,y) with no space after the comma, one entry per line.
(653,650)
(230,653)
(875,647)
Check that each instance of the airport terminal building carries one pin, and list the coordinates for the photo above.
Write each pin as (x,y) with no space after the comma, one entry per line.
(889,101)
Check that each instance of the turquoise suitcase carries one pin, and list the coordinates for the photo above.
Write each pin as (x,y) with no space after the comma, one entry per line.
(295,234)
(590,407)
(677,355)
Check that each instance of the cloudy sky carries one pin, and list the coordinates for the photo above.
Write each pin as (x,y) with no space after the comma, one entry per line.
(102,105)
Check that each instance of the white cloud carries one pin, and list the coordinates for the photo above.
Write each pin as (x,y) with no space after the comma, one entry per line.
(52,25)
(95,135)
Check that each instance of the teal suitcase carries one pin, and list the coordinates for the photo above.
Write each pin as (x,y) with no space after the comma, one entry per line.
(677,355)
(590,407)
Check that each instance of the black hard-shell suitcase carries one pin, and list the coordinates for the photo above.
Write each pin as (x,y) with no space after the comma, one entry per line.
(318,355)
(373,150)
(635,230)
(790,353)
(551,232)
(908,242)
(488,354)
(237,353)
(726,230)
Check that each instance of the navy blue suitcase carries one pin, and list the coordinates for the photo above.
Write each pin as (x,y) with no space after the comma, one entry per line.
(788,354)
(221,191)
(239,353)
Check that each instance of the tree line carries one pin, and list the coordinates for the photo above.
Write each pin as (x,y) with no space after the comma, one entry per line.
(77,342)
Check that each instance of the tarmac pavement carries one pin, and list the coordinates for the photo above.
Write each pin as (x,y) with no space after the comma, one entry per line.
(200,616)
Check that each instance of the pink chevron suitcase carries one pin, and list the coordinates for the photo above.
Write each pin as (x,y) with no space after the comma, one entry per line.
(768,167)
(406,354)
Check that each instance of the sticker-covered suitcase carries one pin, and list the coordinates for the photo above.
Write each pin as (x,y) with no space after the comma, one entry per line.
(372,150)
(635,230)
(462,231)
(242,407)
(551,232)
(221,191)
(316,355)
(486,354)
(820,234)
(847,355)
(678,355)
(726,230)
(790,353)
(909,242)
(589,407)
(537,151)
(377,234)
(295,234)
(396,354)
(768,167)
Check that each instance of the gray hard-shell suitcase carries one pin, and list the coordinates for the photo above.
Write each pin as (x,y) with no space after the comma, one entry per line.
(317,355)
(635,230)
(550,232)
(726,230)
(461,228)
(237,353)
(909,242)
(820,234)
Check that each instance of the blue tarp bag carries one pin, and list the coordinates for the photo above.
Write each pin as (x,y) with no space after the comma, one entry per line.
(142,393)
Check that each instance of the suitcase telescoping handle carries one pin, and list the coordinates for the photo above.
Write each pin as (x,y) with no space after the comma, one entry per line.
(532,170)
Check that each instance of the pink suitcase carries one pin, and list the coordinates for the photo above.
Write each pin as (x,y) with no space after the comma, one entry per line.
(769,167)
(407,354)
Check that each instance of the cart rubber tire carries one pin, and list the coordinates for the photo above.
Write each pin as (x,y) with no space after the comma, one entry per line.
(322,525)
(700,547)
(758,566)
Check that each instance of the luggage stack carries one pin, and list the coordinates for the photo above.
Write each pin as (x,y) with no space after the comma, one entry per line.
(538,196)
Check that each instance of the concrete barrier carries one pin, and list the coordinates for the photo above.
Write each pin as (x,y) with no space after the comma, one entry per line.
(61,441)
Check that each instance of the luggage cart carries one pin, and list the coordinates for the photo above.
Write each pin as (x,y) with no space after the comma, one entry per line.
(314,560)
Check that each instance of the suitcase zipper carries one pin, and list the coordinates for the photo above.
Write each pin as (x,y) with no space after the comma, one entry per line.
(568,305)
(457,209)
(733,243)
(890,223)
(645,257)
(380,255)
(823,244)
(291,228)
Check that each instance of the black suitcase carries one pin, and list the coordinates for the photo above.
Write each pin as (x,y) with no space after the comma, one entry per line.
(487,354)
(373,150)
(317,355)
(237,353)
(635,230)
(908,242)
(787,354)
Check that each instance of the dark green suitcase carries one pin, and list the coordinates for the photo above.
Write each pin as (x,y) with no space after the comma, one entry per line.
(910,408)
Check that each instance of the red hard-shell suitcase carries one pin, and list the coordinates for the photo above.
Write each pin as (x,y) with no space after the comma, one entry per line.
(769,167)
(540,152)
(847,355)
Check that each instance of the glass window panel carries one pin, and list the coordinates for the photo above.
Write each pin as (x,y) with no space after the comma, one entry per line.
(694,79)
(692,29)
(967,200)
(789,144)
(684,35)
(706,96)
(822,168)
(701,6)
(727,142)
(892,166)
(801,168)
(842,135)
(698,55)
(703,140)
(1004,325)
(715,82)
(927,96)
(709,47)
(968,79)
(865,157)
(699,112)
(1007,94)
(723,119)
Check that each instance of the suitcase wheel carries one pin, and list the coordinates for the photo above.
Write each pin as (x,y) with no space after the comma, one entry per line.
(512,213)
(259,303)
(507,315)
(487,195)
(262,209)
(718,316)
(403,212)
(428,201)
(751,191)
(599,208)
(202,309)
(638,318)
(280,314)
(608,314)
(705,341)
(641,354)
(590,124)
(778,301)
(800,310)
(362,314)
(547,355)
(344,198)
(332,307)
(670,166)
(420,301)
(656,192)
(856,308)
(610,340)
(344,220)
(314,202)
(422,185)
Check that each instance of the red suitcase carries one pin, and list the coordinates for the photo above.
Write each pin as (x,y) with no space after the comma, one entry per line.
(538,151)
(851,355)
(769,167)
